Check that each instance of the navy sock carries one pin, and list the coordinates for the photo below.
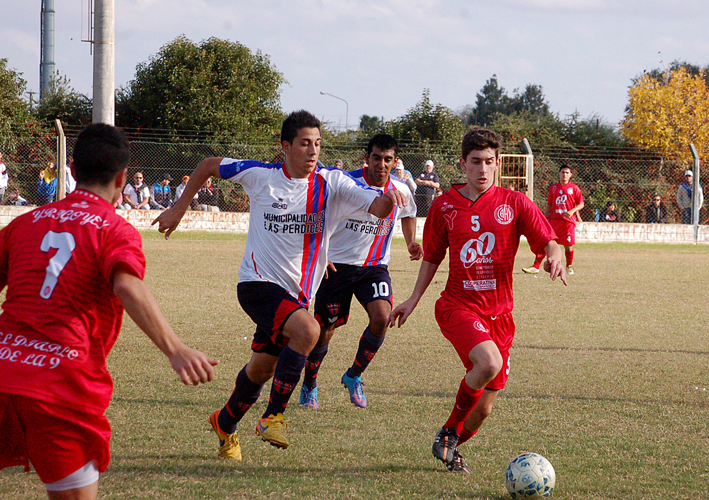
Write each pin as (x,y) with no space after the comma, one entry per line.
(288,368)
(369,344)
(244,396)
(312,366)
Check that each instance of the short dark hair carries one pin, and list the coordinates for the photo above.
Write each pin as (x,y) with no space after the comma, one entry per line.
(383,142)
(100,152)
(295,121)
(478,139)
(565,165)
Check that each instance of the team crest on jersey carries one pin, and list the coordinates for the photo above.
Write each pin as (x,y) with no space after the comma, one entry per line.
(480,327)
(333,308)
(504,214)
(450,218)
(280,204)
(571,190)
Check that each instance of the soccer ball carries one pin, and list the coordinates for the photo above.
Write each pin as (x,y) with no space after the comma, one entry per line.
(530,475)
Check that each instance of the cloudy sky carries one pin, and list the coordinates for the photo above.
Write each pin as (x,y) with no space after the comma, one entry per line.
(379,56)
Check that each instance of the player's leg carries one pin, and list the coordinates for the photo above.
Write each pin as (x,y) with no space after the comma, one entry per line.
(534,268)
(302,332)
(64,490)
(373,291)
(309,389)
(569,254)
(477,417)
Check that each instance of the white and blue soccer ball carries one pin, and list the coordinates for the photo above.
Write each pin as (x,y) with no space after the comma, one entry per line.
(530,475)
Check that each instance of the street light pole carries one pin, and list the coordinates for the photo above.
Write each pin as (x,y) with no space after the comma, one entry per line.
(347,108)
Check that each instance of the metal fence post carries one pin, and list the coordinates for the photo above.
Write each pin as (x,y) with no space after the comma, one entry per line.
(61,161)
(695,193)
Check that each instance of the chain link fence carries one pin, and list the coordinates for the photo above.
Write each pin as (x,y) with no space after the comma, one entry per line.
(627,177)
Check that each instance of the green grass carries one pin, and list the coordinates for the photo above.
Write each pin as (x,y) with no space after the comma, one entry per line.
(607,382)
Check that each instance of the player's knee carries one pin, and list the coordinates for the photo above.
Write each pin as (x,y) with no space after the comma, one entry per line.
(378,325)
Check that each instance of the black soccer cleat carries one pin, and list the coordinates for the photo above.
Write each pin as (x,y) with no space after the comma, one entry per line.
(444,444)
(458,463)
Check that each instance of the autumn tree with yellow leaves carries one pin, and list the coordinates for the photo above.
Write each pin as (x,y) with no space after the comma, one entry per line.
(669,113)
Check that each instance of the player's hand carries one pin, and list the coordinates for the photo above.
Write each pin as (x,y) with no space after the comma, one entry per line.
(168,221)
(556,269)
(397,197)
(569,215)
(331,267)
(193,366)
(415,251)
(401,313)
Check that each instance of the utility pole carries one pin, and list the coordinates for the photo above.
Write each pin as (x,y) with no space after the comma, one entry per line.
(104,110)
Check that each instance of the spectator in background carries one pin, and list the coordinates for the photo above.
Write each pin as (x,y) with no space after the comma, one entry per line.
(610,213)
(136,195)
(338,164)
(47,184)
(194,205)
(14,199)
(161,194)
(656,212)
(70,183)
(405,175)
(427,182)
(4,178)
(684,197)
(208,197)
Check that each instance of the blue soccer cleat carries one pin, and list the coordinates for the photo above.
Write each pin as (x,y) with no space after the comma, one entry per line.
(354,385)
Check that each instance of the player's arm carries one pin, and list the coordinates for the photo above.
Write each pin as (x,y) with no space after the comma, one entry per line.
(554,264)
(401,312)
(170,218)
(576,209)
(408,227)
(383,204)
(190,364)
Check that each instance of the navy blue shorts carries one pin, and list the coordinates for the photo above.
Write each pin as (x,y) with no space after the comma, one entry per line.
(367,283)
(269,306)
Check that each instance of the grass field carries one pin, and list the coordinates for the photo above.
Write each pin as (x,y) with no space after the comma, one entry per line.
(609,381)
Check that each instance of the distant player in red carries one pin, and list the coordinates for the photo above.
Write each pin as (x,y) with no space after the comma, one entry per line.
(481,225)
(71,267)
(563,206)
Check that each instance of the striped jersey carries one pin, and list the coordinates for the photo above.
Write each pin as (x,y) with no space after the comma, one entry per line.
(291,221)
(364,239)
(60,317)
(482,238)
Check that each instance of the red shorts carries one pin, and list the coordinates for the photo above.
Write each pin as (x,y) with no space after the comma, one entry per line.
(466,329)
(565,231)
(55,439)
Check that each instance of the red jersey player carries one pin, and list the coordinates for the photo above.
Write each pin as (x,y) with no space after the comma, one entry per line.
(563,206)
(71,267)
(481,225)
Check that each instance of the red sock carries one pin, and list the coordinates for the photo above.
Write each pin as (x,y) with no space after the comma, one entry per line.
(569,256)
(538,260)
(465,434)
(465,401)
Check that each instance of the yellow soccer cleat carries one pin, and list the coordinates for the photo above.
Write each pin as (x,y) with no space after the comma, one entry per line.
(271,430)
(530,270)
(570,271)
(228,443)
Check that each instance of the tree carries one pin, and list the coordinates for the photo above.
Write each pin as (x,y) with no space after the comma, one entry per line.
(64,103)
(531,101)
(490,100)
(217,86)
(370,124)
(430,123)
(13,109)
(669,114)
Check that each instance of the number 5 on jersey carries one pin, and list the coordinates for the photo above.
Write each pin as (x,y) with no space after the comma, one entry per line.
(65,244)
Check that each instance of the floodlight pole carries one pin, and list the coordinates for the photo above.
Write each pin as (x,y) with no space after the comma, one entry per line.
(104,102)
(347,108)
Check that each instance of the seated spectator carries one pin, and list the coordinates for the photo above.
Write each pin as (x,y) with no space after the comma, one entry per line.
(136,195)
(208,197)
(338,164)
(47,184)
(160,193)
(656,212)
(609,214)
(15,199)
(194,205)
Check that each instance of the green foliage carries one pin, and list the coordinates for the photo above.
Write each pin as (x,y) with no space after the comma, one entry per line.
(370,125)
(217,86)
(435,125)
(13,109)
(64,103)
(492,100)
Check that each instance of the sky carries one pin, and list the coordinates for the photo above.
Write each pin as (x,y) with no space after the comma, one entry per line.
(377,57)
